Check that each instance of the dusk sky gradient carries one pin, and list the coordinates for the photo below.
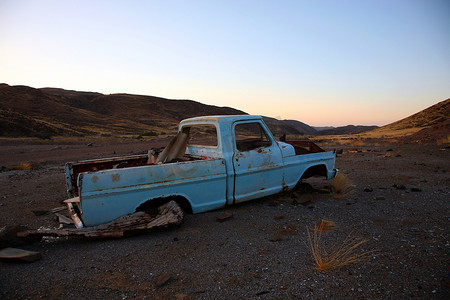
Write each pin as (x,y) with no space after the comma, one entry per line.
(319,62)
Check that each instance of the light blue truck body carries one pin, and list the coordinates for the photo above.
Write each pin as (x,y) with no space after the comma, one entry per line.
(210,178)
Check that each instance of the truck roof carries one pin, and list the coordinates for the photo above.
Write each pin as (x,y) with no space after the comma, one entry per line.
(221,118)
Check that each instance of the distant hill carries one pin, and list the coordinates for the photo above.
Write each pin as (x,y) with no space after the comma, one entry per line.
(300,127)
(429,125)
(289,127)
(349,129)
(430,116)
(26,111)
(320,128)
(436,116)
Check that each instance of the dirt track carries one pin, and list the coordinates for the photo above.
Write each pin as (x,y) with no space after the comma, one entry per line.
(261,253)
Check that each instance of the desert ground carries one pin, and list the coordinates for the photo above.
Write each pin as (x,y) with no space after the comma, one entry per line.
(398,203)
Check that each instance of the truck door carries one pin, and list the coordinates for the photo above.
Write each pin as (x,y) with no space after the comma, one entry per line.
(257,162)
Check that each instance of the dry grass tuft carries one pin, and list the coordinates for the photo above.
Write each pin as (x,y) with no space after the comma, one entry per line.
(325,226)
(338,255)
(358,144)
(22,166)
(341,186)
(443,141)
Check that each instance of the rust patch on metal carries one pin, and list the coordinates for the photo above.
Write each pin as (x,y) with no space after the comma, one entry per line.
(115,177)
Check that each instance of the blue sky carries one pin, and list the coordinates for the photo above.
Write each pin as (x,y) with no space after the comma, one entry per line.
(319,62)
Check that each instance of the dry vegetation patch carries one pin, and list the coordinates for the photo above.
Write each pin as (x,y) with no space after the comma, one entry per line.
(325,226)
(341,186)
(22,166)
(338,255)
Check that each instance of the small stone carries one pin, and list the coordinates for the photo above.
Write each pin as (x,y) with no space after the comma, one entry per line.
(399,186)
(414,189)
(40,212)
(380,198)
(162,279)
(278,217)
(225,216)
(368,190)
(262,293)
(276,239)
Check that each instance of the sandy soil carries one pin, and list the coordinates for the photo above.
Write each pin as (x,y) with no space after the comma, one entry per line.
(261,253)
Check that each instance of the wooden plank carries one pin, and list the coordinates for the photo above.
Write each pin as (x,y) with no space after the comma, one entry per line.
(19,255)
(63,219)
(74,216)
(168,214)
(72,200)
(58,209)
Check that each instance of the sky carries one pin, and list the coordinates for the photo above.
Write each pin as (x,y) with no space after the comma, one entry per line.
(325,63)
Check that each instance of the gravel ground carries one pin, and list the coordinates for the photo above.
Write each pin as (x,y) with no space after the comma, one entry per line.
(262,252)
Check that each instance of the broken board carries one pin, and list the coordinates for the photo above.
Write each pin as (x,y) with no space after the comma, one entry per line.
(19,255)
(166,215)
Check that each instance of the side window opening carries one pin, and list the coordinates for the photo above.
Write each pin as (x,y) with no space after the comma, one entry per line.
(202,135)
(250,136)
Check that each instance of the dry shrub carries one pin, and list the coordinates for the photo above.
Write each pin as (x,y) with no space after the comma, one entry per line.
(358,144)
(22,166)
(341,186)
(443,141)
(325,226)
(338,255)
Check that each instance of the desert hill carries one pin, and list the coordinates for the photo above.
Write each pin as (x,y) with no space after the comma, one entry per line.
(290,127)
(300,126)
(26,111)
(430,116)
(433,120)
(349,129)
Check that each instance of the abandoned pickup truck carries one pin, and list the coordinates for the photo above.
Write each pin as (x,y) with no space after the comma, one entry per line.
(213,161)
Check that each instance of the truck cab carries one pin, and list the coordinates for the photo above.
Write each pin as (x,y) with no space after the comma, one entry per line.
(257,164)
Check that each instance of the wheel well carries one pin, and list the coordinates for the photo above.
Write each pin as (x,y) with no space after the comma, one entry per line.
(151,204)
(318,170)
